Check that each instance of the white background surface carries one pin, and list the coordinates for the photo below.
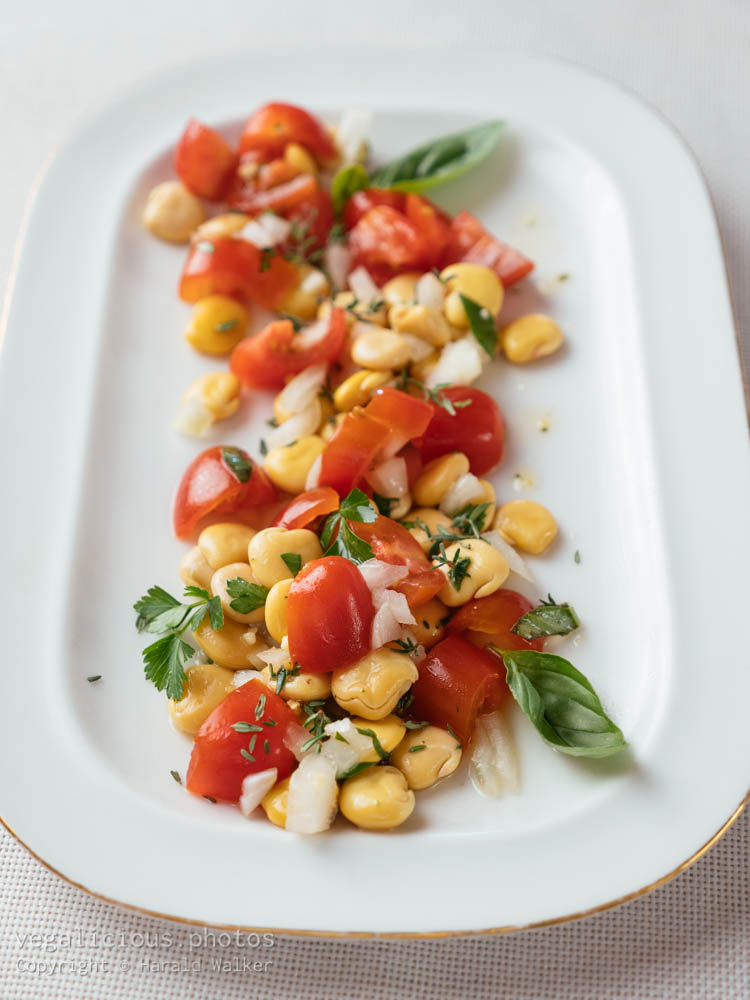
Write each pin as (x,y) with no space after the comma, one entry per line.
(60,62)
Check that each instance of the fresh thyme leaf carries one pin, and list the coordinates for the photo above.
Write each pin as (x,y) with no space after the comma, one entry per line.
(282,675)
(458,566)
(404,703)
(164,661)
(269,722)
(293,562)
(384,504)
(210,798)
(246,727)
(417,524)
(266,254)
(548,619)
(247,596)
(356,769)
(379,748)
(263,447)
(93,678)
(471,520)
(417,747)
(346,182)
(408,646)
(341,738)
(176,776)
(296,323)
(482,324)
(404,380)
(415,725)
(226,326)
(239,462)
(459,744)
(260,708)
(266,747)
(337,233)
(577,557)
(247,755)
(253,741)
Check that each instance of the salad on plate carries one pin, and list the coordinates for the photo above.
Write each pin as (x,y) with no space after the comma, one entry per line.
(349,631)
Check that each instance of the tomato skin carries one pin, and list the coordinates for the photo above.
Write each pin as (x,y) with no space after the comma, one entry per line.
(330,615)
(406,416)
(228,266)
(313,218)
(210,487)
(392,543)
(361,202)
(267,359)
(490,619)
(478,430)
(275,125)
(204,160)
(306,508)
(431,222)
(247,196)
(351,451)
(469,241)
(456,682)
(385,241)
(217,768)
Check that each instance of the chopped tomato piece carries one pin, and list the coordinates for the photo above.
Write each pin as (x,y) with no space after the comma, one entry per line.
(222,480)
(311,220)
(432,223)
(490,619)
(351,451)
(392,543)
(217,764)
(306,508)
(247,196)
(275,125)
(235,267)
(204,160)
(469,241)
(266,360)
(457,681)
(330,615)
(385,241)
(361,202)
(477,429)
(406,416)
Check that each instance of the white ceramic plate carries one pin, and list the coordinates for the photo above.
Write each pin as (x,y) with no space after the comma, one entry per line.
(645,465)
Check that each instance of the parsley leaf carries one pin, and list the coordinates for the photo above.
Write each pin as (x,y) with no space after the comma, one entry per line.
(384,504)
(164,661)
(293,562)
(247,596)
(338,539)
(482,324)
(238,462)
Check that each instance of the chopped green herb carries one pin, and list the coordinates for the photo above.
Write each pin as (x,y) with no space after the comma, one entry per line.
(404,380)
(93,678)
(210,798)
(404,703)
(176,776)
(247,755)
(252,742)
(266,747)
(239,462)
(482,324)
(337,538)
(459,744)
(363,764)
(293,562)
(246,727)
(458,566)
(415,725)
(417,747)
(263,447)
(227,325)
(341,738)
(347,181)
(269,722)
(260,707)
(337,233)
(548,619)
(384,504)
(266,254)
(296,323)
(407,646)
(577,556)
(247,596)
(379,748)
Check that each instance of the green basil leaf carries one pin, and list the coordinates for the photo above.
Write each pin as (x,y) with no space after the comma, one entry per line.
(247,596)
(440,160)
(482,324)
(238,462)
(293,562)
(547,619)
(347,182)
(561,703)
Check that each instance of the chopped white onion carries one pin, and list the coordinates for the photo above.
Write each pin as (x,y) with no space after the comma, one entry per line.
(312,334)
(419,349)
(253,232)
(254,787)
(245,676)
(300,425)
(430,291)
(193,418)
(277,228)
(337,261)
(379,575)
(351,134)
(493,768)
(313,795)
(303,389)
(516,563)
(346,748)
(361,283)
(295,738)
(313,475)
(392,611)
(460,363)
(390,478)
(467,489)
(275,658)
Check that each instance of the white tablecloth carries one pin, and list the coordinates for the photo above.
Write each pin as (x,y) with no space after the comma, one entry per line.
(689,58)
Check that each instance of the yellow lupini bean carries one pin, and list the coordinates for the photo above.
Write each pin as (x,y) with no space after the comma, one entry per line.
(527,525)
(401,289)
(205,686)
(221,225)
(373,685)
(274,803)
(217,325)
(228,646)
(487,497)
(289,467)
(302,686)
(431,621)
(358,389)
(421,321)
(476,282)
(217,392)
(377,798)
(304,299)
(484,573)
(426,755)
(299,157)
(331,426)
(367,312)
(219,581)
(277,604)
(381,350)
(388,731)
(438,476)
(194,570)
(268,546)
(224,543)
(530,337)
(172,212)
(433,519)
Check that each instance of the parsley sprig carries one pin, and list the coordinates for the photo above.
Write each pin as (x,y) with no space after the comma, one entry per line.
(158,611)
(338,539)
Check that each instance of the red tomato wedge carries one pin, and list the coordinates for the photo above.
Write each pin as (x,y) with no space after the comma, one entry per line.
(266,360)
(275,125)
(330,615)
(478,429)
(351,451)
(432,223)
(490,619)
(361,202)
(469,241)
(217,765)
(392,543)
(248,196)
(406,416)
(312,220)
(385,241)
(234,267)
(306,508)
(204,160)
(222,480)
(457,681)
